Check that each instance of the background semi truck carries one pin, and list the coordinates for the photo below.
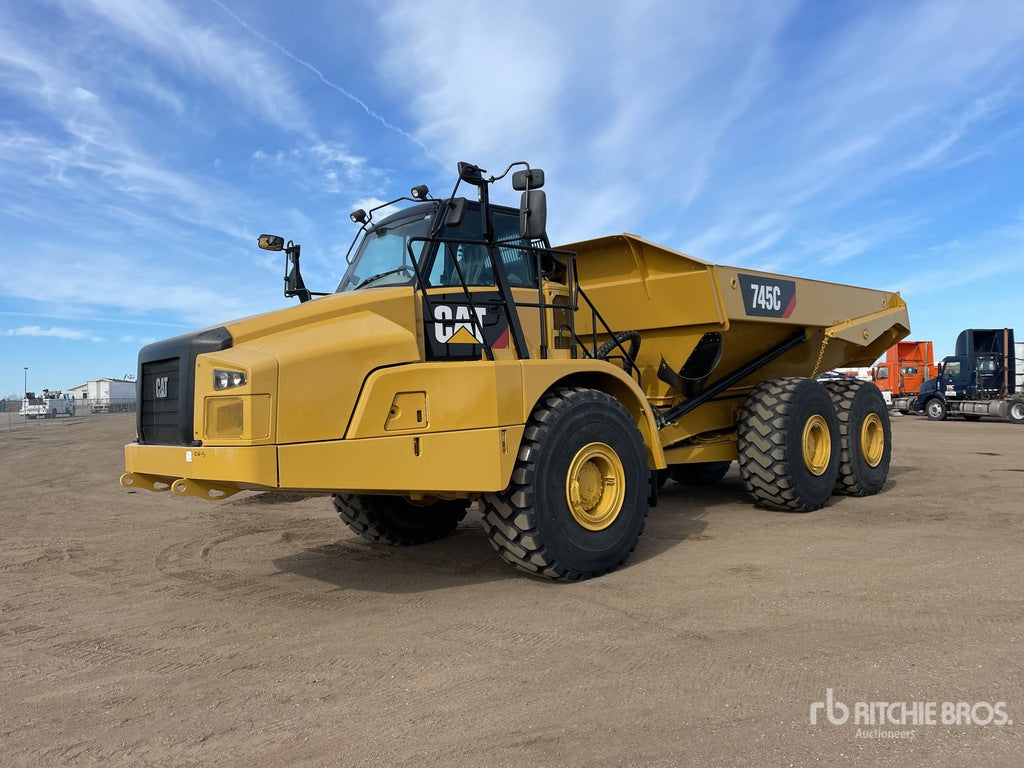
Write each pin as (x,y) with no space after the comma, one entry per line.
(463,359)
(982,378)
(908,364)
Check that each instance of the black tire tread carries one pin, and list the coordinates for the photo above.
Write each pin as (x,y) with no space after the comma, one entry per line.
(509,516)
(761,436)
(371,517)
(1016,400)
(843,394)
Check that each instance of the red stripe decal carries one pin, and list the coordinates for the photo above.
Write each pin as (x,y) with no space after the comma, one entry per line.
(790,307)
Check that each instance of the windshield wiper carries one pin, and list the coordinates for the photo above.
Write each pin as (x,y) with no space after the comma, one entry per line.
(379,275)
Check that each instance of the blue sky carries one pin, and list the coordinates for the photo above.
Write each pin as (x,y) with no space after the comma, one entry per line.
(145,145)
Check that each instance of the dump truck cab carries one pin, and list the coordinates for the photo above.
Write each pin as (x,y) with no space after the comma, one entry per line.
(463,359)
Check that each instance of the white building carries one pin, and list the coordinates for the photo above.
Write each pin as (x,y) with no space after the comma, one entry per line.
(106,395)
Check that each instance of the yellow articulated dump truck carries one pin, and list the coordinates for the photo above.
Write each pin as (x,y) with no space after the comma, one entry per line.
(463,359)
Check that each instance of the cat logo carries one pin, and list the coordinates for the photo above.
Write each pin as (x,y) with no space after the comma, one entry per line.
(454,325)
(161,386)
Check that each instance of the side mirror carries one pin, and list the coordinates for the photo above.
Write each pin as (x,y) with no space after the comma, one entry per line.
(271,242)
(471,174)
(532,178)
(533,215)
(456,208)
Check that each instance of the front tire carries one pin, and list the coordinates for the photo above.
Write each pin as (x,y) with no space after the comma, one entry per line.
(398,521)
(935,409)
(577,501)
(865,437)
(788,444)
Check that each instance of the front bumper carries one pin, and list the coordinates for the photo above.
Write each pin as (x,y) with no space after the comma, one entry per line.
(457,462)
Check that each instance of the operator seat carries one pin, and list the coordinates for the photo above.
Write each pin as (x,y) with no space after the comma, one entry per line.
(475,266)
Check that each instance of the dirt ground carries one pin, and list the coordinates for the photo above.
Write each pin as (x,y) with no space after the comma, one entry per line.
(145,629)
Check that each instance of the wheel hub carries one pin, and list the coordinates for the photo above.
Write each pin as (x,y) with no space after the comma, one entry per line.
(872,440)
(595,486)
(817,445)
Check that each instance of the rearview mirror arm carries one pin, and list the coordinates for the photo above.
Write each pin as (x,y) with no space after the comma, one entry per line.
(293,282)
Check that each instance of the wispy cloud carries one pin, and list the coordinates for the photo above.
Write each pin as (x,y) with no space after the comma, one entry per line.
(243,73)
(325,80)
(53,332)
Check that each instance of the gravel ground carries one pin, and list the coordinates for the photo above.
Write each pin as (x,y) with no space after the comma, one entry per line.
(144,629)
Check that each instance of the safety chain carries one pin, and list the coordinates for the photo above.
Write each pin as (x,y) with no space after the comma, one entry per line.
(821,354)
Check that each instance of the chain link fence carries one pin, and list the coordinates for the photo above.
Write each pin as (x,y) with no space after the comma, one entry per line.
(84,408)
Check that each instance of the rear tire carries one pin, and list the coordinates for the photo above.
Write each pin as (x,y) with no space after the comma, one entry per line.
(700,473)
(398,521)
(788,443)
(1016,413)
(865,437)
(577,501)
(935,409)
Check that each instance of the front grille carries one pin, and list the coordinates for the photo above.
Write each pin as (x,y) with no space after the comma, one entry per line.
(159,402)
(167,389)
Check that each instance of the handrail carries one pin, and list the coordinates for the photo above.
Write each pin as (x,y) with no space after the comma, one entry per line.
(575,292)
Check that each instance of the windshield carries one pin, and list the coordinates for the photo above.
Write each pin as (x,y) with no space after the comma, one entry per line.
(382,258)
(383,255)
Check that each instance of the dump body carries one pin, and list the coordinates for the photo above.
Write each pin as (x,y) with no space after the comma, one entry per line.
(674,300)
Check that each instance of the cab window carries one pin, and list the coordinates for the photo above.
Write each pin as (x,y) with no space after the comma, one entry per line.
(471,257)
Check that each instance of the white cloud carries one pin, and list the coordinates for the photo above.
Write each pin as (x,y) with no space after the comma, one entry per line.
(53,331)
(243,72)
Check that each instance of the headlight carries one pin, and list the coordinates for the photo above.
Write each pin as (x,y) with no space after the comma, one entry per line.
(223,379)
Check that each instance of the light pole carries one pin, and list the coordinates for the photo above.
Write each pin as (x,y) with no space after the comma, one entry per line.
(26,381)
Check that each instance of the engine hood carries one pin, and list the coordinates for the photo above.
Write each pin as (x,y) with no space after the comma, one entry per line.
(324,349)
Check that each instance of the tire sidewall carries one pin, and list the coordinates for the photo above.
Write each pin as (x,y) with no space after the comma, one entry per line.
(865,402)
(1016,405)
(572,545)
(812,401)
(939,407)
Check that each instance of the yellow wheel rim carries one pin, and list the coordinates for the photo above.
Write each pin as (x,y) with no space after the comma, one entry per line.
(595,486)
(872,440)
(817,445)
